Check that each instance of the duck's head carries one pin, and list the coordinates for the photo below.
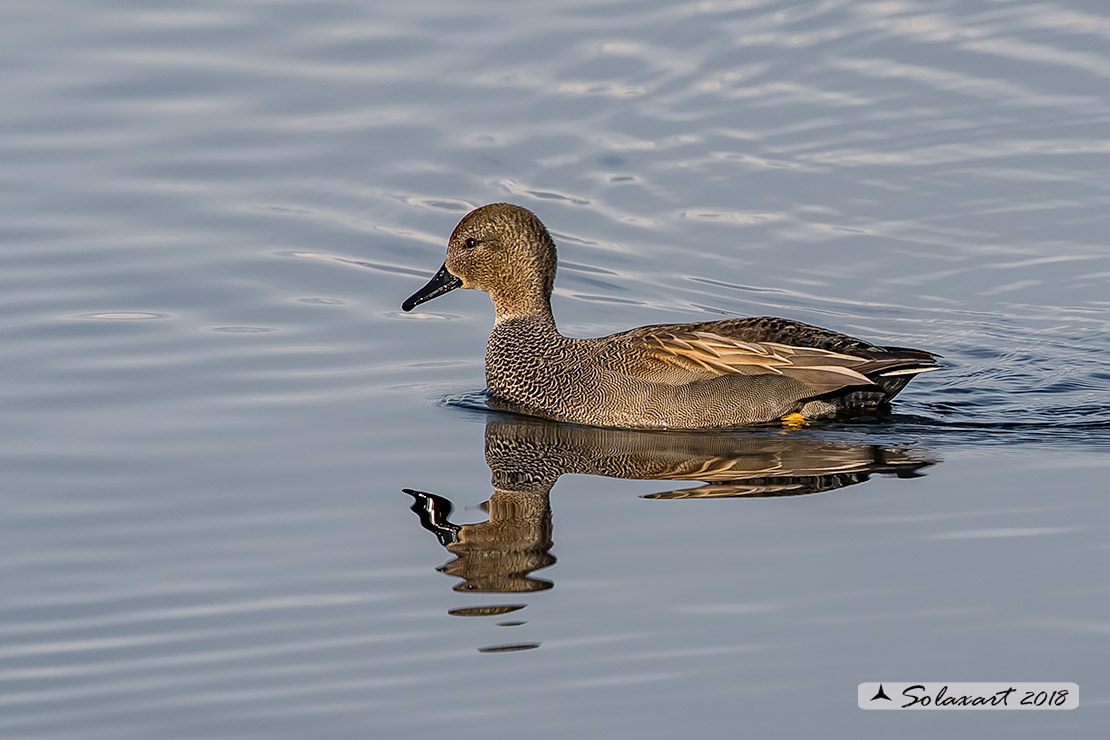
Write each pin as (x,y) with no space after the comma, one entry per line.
(502,249)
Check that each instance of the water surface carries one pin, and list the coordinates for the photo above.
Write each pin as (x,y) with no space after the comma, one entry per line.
(212,403)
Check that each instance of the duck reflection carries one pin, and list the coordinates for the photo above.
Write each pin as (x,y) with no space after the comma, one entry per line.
(499,555)
(526,456)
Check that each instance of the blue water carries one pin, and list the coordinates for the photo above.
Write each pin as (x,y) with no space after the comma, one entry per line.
(211,403)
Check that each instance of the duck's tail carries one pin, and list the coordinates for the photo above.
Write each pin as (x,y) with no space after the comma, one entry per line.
(893,367)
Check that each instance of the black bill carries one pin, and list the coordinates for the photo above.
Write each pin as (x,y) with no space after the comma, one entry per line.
(442,282)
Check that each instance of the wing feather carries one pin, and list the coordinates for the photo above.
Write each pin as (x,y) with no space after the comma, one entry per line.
(680,357)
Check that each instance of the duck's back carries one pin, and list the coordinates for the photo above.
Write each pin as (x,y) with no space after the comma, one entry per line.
(822,359)
(891,368)
(770,329)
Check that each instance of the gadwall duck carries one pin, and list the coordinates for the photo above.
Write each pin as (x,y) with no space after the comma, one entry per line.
(707,375)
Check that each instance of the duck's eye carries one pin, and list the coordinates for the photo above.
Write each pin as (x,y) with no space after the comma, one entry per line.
(471,242)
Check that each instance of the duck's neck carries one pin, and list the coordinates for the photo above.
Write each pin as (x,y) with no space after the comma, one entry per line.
(528,303)
(531,307)
(524,327)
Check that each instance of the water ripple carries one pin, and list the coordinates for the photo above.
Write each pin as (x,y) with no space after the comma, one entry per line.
(211,397)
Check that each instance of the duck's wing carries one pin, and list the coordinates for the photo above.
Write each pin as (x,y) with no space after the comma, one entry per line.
(775,330)
(679,357)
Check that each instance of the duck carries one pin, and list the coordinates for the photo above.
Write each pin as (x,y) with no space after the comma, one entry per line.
(707,375)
